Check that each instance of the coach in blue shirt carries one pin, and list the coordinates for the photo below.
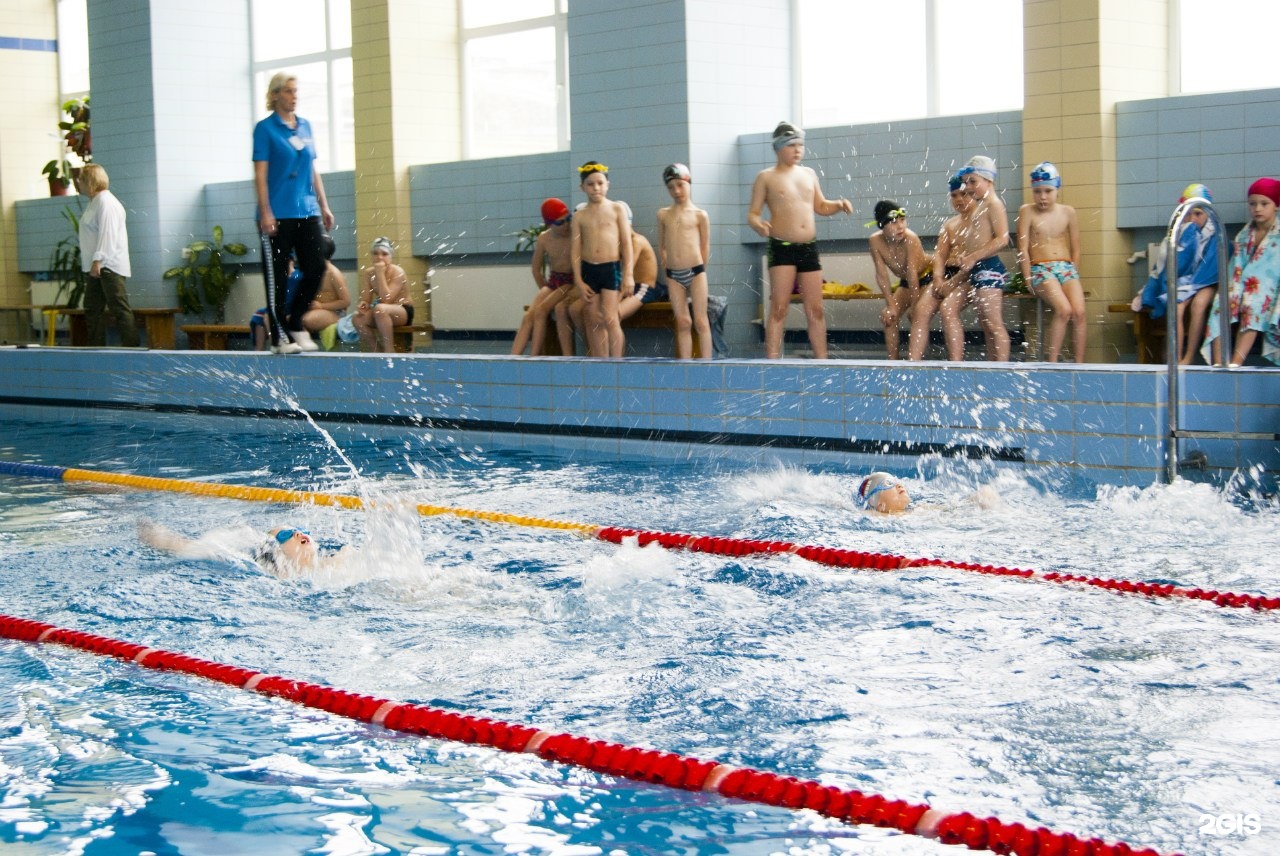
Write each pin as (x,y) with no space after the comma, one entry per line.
(293,214)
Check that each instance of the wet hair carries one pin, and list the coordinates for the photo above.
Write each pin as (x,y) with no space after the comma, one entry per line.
(327,246)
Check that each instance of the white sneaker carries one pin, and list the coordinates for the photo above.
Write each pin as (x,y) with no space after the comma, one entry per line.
(286,347)
(303,338)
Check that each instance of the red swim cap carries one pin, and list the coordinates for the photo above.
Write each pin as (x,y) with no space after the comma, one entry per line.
(1267,187)
(553,210)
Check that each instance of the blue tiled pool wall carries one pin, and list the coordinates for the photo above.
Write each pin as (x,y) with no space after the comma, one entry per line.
(1103,420)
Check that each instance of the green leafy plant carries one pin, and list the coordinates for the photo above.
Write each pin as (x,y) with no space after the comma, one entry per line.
(527,237)
(205,278)
(64,264)
(76,131)
(58,171)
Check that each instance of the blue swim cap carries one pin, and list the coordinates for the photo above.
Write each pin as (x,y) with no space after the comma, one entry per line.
(1045,175)
(957,180)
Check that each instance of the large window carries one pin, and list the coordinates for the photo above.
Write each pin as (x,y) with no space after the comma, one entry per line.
(73,49)
(514,77)
(1206,36)
(312,40)
(866,61)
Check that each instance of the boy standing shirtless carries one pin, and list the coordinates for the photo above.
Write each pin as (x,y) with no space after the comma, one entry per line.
(1049,255)
(602,250)
(985,233)
(793,195)
(896,250)
(684,245)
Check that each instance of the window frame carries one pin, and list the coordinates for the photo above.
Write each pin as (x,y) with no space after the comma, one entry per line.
(559,21)
(933,70)
(334,149)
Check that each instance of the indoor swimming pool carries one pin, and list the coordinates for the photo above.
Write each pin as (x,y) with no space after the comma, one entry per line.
(1127,718)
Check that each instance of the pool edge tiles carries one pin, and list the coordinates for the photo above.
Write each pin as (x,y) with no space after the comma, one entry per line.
(1104,419)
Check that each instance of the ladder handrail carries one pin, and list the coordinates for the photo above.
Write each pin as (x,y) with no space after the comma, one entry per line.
(1173,347)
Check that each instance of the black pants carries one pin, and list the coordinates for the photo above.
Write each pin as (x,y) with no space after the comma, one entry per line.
(103,296)
(300,237)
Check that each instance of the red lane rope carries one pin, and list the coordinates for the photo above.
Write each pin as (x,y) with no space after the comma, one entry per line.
(642,765)
(841,558)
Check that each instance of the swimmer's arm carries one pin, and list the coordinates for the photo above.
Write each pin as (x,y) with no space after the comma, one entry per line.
(626,252)
(940,256)
(538,266)
(882,269)
(915,260)
(826,207)
(166,540)
(704,235)
(1024,242)
(1073,236)
(661,249)
(755,212)
(998,221)
(575,257)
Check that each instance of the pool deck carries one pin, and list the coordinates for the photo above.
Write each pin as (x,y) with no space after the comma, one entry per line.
(1105,422)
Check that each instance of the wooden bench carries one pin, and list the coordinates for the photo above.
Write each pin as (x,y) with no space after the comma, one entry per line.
(1148,333)
(17,326)
(213,337)
(158,324)
(651,316)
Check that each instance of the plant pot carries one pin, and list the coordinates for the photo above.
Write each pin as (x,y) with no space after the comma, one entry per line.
(57,187)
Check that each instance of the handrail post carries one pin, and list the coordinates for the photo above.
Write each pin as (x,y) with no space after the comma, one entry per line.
(1173,347)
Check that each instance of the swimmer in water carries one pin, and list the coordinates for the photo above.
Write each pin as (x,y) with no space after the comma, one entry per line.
(885,494)
(283,552)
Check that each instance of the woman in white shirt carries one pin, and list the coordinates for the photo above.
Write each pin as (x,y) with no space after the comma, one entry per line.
(104,256)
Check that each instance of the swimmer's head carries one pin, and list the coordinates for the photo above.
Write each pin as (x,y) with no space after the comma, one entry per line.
(956,182)
(554,211)
(676,170)
(288,550)
(983,166)
(1045,174)
(883,493)
(327,246)
(887,212)
(381,244)
(1191,191)
(786,134)
(590,168)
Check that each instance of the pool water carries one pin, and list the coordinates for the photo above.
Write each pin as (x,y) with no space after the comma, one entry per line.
(1088,712)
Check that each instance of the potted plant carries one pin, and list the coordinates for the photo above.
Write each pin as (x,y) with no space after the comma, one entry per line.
(77,140)
(76,131)
(205,279)
(65,264)
(59,174)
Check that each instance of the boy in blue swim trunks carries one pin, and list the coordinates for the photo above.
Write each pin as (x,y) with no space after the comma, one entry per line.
(794,196)
(1049,255)
(983,234)
(602,261)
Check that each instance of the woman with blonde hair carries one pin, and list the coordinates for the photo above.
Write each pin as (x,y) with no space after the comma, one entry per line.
(104,256)
(293,213)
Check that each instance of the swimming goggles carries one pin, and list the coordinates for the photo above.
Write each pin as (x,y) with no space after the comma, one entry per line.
(285,534)
(592,167)
(1043,176)
(885,484)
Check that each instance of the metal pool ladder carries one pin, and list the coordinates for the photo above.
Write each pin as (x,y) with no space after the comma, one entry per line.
(1172,345)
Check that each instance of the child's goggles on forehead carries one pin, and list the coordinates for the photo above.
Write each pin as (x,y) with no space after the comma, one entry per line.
(898,214)
(285,534)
